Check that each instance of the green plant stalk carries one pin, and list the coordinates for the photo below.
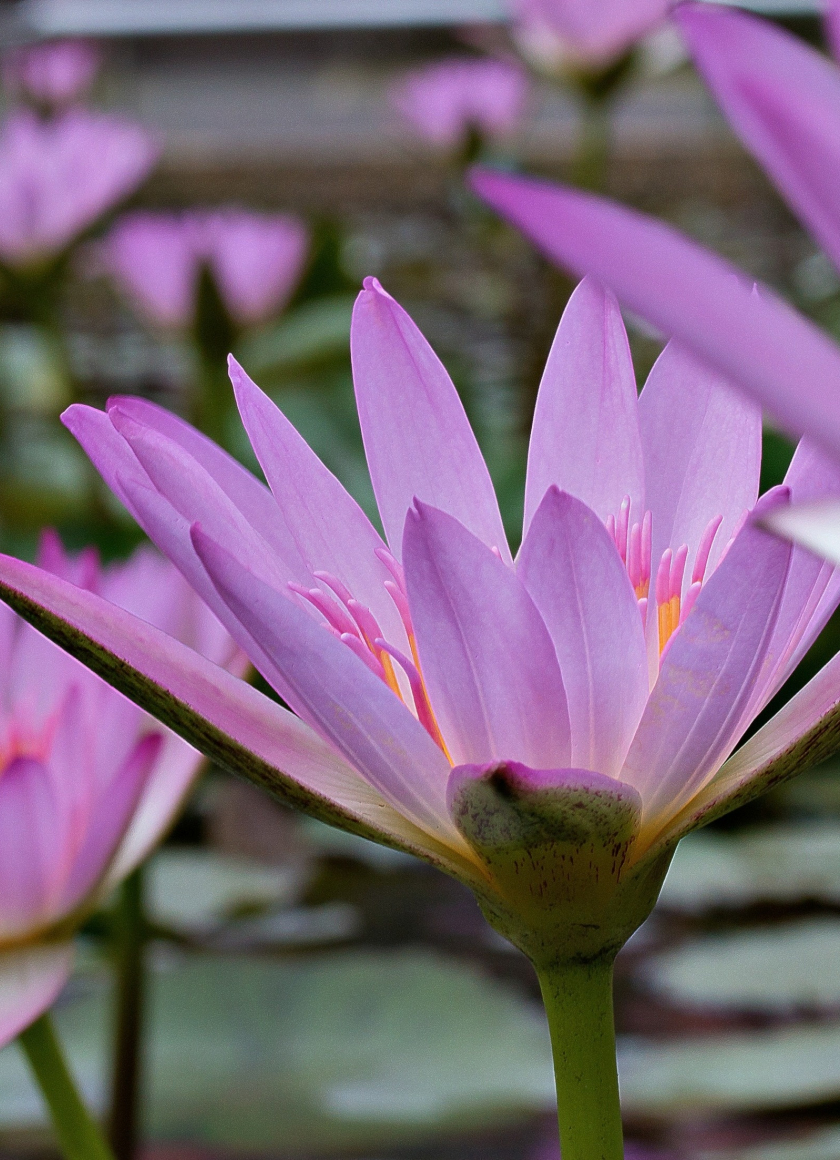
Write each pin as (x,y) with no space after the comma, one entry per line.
(78,1133)
(579,1003)
(592,154)
(127,1073)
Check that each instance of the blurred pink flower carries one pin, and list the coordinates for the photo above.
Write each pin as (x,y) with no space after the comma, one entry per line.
(582,33)
(88,782)
(255,259)
(447,99)
(55,73)
(57,177)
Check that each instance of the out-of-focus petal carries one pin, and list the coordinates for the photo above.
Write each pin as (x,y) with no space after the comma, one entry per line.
(592,34)
(30,980)
(702,448)
(256,260)
(782,98)
(417,437)
(572,570)
(33,837)
(585,435)
(153,260)
(815,526)
(356,711)
(228,720)
(755,340)
(693,717)
(487,658)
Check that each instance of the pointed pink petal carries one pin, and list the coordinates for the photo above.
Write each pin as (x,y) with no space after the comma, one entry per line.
(757,341)
(417,437)
(803,733)
(228,720)
(331,531)
(30,980)
(352,707)
(585,436)
(702,447)
(694,714)
(487,658)
(574,574)
(33,845)
(782,98)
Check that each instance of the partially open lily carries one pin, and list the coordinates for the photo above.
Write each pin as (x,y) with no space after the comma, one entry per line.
(544,729)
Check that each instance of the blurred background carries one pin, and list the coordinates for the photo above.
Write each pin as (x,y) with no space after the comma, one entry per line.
(179,179)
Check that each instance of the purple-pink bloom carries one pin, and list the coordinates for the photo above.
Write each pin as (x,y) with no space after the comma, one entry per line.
(256,261)
(89,782)
(446,100)
(55,73)
(582,33)
(58,177)
(450,699)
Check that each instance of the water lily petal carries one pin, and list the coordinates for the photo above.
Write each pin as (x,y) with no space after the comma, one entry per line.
(32,846)
(30,980)
(815,526)
(585,435)
(222,716)
(486,654)
(755,340)
(572,570)
(417,437)
(356,711)
(782,98)
(694,714)
(702,448)
(331,532)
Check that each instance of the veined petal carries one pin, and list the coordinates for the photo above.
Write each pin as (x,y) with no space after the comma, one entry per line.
(702,448)
(574,574)
(487,658)
(585,436)
(803,733)
(30,980)
(755,340)
(782,98)
(331,531)
(222,716)
(695,712)
(356,711)
(417,437)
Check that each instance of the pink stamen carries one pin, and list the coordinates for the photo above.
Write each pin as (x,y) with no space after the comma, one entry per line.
(706,541)
(398,597)
(364,654)
(647,547)
(663,577)
(677,572)
(366,621)
(393,565)
(342,592)
(643,607)
(333,613)
(634,556)
(690,599)
(621,530)
(415,681)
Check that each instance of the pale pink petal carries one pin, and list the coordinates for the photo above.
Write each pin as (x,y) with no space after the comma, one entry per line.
(231,722)
(585,436)
(702,449)
(782,98)
(487,658)
(694,714)
(30,981)
(575,576)
(593,34)
(816,526)
(755,340)
(33,836)
(417,437)
(352,707)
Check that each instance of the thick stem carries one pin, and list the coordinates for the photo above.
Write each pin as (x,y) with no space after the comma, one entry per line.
(579,1004)
(130,993)
(589,168)
(78,1133)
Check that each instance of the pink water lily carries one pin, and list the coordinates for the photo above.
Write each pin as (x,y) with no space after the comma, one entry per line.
(88,782)
(445,100)
(437,684)
(55,73)
(583,34)
(256,261)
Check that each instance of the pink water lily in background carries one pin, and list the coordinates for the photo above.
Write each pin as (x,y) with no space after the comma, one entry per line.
(88,782)
(58,177)
(447,99)
(581,33)
(616,661)
(55,73)
(256,261)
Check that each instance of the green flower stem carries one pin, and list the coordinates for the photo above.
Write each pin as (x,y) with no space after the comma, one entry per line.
(578,1001)
(78,1133)
(126,1083)
(592,153)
